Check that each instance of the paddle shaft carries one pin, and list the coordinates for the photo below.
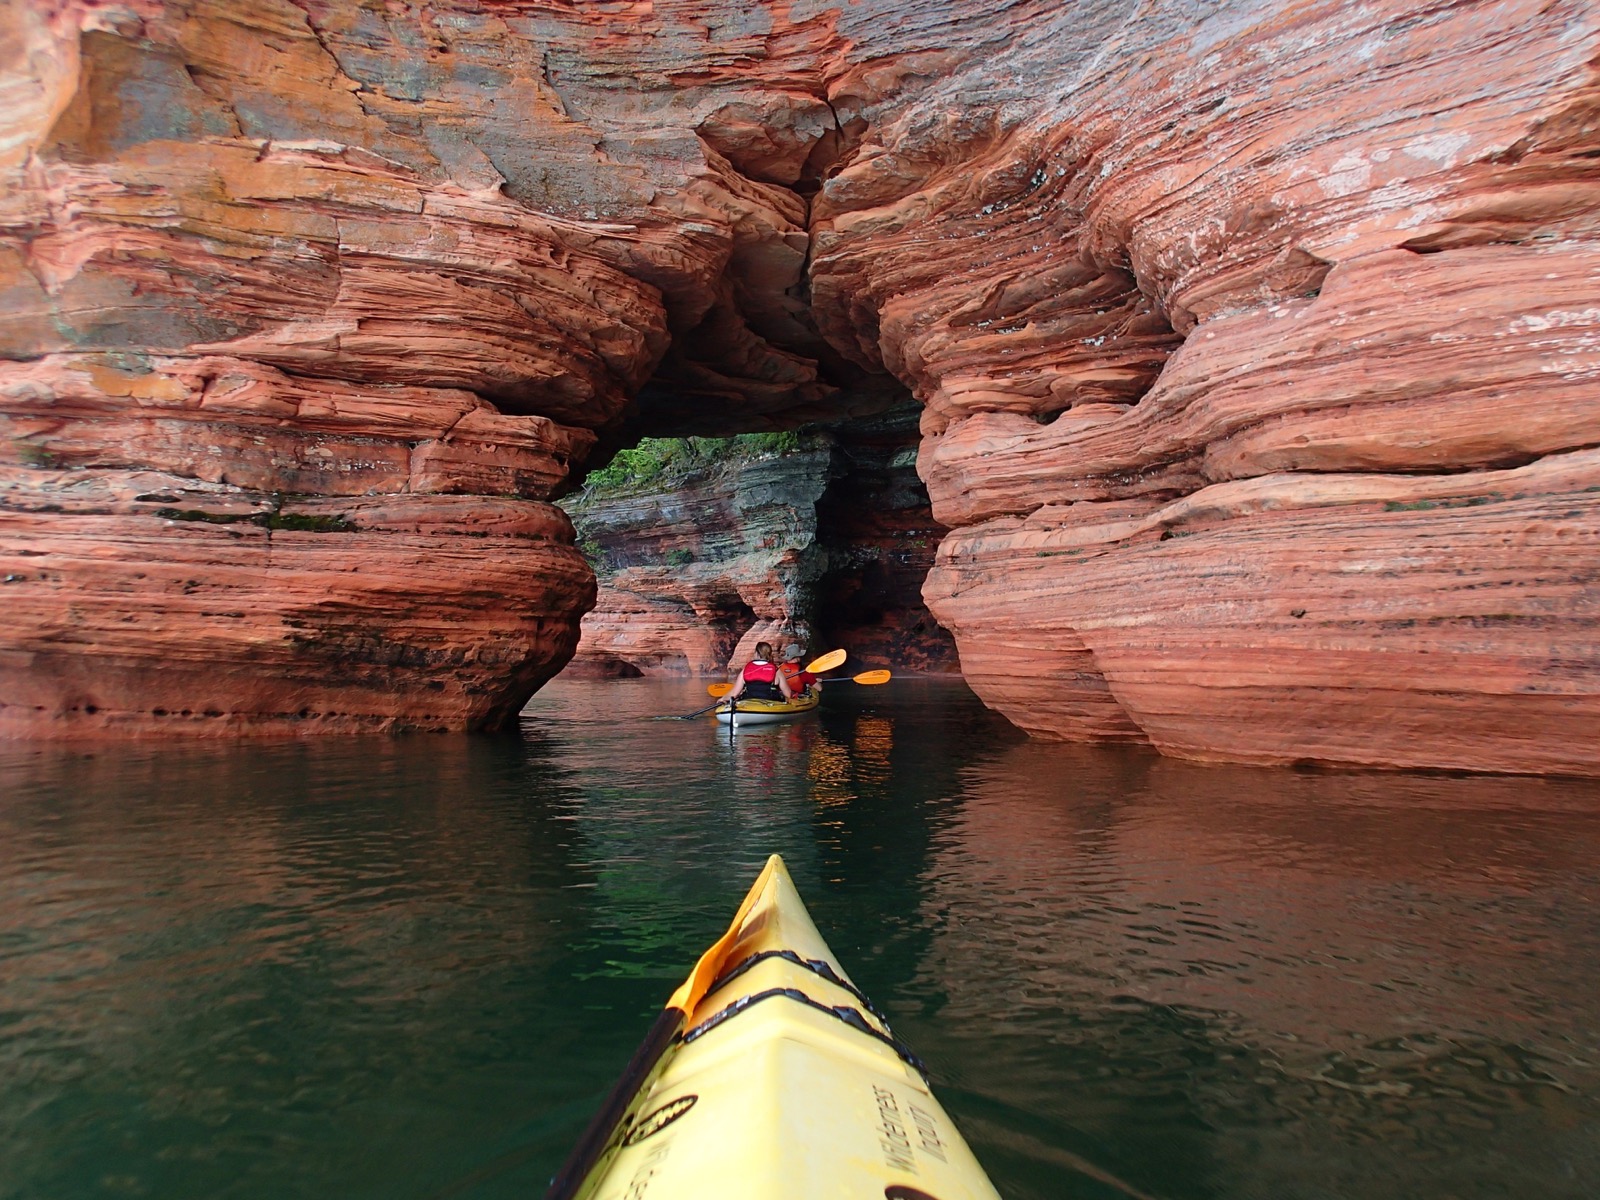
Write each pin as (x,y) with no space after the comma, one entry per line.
(869,678)
(699,712)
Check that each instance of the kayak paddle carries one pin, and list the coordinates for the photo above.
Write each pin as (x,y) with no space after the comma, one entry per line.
(827,662)
(869,677)
(878,676)
(699,712)
(816,666)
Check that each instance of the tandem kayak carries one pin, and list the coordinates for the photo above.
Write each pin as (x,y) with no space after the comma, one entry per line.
(764,712)
(769,1076)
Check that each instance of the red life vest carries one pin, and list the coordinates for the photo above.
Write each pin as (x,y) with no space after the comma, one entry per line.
(760,671)
(798,680)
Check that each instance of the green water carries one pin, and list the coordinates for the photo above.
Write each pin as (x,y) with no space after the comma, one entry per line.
(411,968)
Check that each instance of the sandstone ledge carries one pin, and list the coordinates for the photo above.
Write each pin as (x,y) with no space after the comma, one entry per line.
(141,603)
(1351,620)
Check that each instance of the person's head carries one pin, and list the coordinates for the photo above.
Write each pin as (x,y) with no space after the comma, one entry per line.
(791,653)
(764,651)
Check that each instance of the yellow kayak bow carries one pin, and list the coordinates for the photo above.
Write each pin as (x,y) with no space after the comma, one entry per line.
(769,1076)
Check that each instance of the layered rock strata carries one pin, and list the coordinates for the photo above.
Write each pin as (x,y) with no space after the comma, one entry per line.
(390,268)
(695,573)
(1259,364)
(1308,290)
(140,602)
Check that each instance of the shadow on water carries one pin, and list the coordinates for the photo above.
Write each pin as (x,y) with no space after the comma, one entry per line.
(411,968)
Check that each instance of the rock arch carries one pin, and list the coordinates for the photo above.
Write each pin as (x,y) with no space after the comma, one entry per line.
(1256,348)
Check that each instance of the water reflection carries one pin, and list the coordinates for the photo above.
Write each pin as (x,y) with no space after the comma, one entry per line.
(411,967)
(1256,982)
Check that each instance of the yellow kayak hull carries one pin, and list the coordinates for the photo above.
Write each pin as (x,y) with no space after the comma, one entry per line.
(764,712)
(777,1081)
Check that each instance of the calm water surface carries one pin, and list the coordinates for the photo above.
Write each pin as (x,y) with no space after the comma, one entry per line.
(411,968)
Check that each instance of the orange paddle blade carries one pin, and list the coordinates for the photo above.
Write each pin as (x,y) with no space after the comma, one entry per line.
(880,676)
(711,963)
(827,662)
(718,689)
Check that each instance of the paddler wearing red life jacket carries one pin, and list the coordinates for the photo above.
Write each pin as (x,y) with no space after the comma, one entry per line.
(800,680)
(761,679)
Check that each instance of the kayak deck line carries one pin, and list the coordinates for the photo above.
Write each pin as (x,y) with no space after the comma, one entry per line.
(816,966)
(850,1016)
(793,1101)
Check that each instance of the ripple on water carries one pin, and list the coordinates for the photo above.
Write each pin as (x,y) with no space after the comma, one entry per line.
(410,967)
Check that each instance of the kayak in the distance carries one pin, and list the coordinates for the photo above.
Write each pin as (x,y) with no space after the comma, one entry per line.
(763,712)
(769,1076)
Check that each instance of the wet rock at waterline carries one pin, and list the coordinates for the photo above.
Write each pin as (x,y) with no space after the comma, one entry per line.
(1255,349)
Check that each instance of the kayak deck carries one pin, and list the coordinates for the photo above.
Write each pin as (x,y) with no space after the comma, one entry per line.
(764,712)
(781,1083)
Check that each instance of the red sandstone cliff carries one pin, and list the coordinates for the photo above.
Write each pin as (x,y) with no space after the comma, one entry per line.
(1257,346)
(371,263)
(1370,439)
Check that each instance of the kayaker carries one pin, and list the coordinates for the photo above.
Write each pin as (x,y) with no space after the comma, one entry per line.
(761,679)
(800,680)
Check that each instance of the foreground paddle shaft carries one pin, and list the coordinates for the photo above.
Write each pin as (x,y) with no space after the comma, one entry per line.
(776,1080)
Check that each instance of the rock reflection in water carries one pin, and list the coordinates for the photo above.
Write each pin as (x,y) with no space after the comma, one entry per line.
(412,967)
(1262,983)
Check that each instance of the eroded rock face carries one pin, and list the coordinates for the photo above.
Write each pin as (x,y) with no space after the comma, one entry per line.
(826,546)
(141,602)
(1259,360)
(389,270)
(698,572)
(1257,345)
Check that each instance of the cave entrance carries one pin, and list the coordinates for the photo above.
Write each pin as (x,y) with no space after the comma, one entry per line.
(878,537)
(820,534)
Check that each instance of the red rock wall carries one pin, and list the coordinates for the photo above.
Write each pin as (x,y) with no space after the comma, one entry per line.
(140,602)
(1259,359)
(376,269)
(1256,344)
